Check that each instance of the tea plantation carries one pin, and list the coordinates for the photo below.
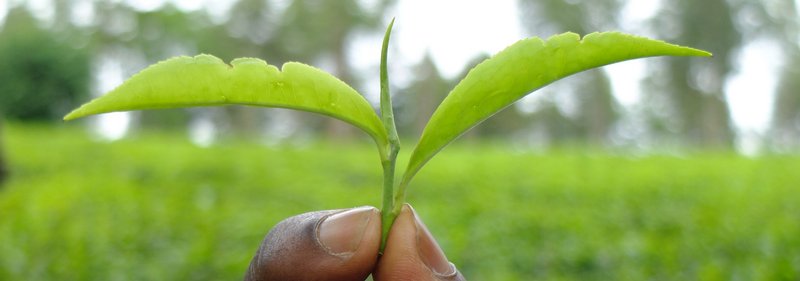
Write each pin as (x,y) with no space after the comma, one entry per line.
(156,207)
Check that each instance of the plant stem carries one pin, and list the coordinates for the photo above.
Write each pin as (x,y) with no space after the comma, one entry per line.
(389,210)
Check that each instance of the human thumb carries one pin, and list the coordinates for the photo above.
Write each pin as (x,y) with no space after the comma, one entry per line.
(323,245)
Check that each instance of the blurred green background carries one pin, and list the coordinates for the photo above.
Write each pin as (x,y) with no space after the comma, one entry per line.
(692,174)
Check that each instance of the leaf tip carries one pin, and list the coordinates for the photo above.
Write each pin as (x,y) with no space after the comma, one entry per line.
(698,53)
(689,51)
(71,116)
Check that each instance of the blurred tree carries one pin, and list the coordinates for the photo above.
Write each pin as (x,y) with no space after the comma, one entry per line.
(785,131)
(3,165)
(41,78)
(421,98)
(595,107)
(686,95)
(547,17)
(777,19)
(695,88)
(141,37)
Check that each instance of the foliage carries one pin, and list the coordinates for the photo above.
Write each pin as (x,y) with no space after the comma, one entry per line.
(132,210)
(696,96)
(786,113)
(488,88)
(40,76)
(205,80)
(491,86)
(520,69)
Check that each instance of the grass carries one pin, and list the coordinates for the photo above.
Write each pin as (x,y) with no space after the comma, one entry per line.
(156,207)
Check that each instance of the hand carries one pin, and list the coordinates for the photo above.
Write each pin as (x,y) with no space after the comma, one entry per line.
(343,245)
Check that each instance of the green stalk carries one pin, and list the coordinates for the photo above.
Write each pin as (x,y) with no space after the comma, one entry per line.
(391,207)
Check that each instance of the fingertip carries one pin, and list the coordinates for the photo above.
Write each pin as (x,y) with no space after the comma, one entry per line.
(343,233)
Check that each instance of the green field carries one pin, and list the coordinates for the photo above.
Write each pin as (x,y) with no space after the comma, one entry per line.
(156,207)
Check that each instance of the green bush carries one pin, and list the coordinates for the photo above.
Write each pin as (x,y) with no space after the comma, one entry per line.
(41,78)
(156,207)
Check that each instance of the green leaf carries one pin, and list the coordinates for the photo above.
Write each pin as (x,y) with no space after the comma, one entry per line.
(521,69)
(205,80)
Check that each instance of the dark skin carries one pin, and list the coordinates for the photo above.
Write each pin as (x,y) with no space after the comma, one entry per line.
(343,245)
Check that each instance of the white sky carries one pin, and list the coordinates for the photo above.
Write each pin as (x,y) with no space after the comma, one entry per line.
(750,91)
(455,36)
